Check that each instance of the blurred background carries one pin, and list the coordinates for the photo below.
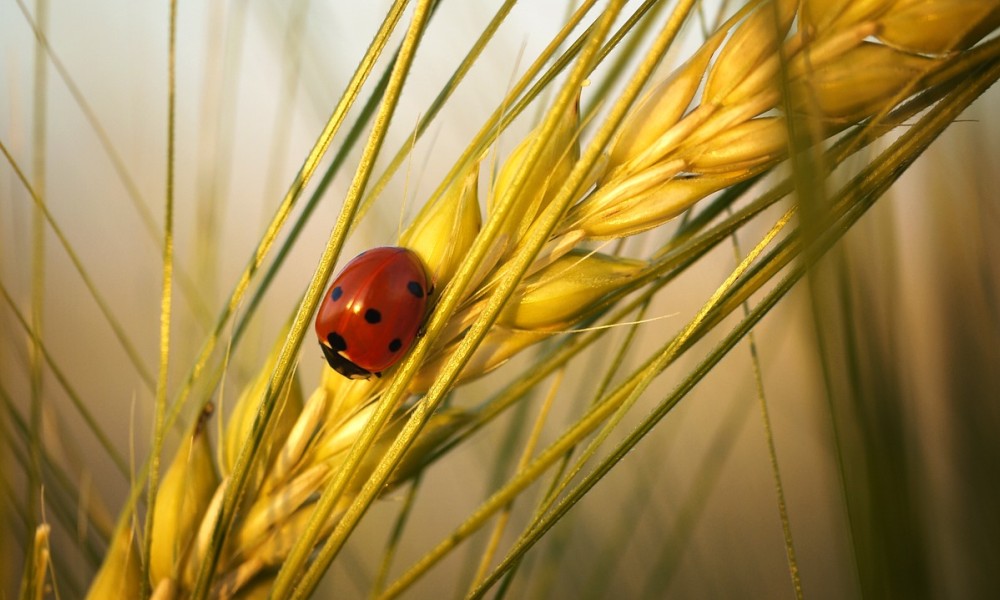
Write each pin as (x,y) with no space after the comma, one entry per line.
(880,371)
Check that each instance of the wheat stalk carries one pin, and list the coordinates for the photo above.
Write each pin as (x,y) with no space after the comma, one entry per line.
(295,473)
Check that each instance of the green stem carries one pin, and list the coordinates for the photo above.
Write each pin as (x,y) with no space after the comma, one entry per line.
(167,290)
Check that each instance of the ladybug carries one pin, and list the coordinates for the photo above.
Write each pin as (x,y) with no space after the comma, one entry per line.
(373,311)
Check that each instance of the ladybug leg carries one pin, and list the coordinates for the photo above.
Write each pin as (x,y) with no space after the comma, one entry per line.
(427,313)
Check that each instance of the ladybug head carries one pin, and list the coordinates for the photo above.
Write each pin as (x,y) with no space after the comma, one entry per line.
(343,366)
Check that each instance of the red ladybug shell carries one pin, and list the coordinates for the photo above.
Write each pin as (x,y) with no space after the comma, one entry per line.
(373,311)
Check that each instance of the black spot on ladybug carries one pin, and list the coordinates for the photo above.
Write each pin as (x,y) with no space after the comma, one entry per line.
(414,288)
(373,316)
(336,293)
(337,342)
(395,345)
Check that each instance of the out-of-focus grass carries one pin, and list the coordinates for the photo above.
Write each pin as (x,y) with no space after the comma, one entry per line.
(908,326)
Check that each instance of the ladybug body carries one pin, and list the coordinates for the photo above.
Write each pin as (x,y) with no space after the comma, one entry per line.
(373,311)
